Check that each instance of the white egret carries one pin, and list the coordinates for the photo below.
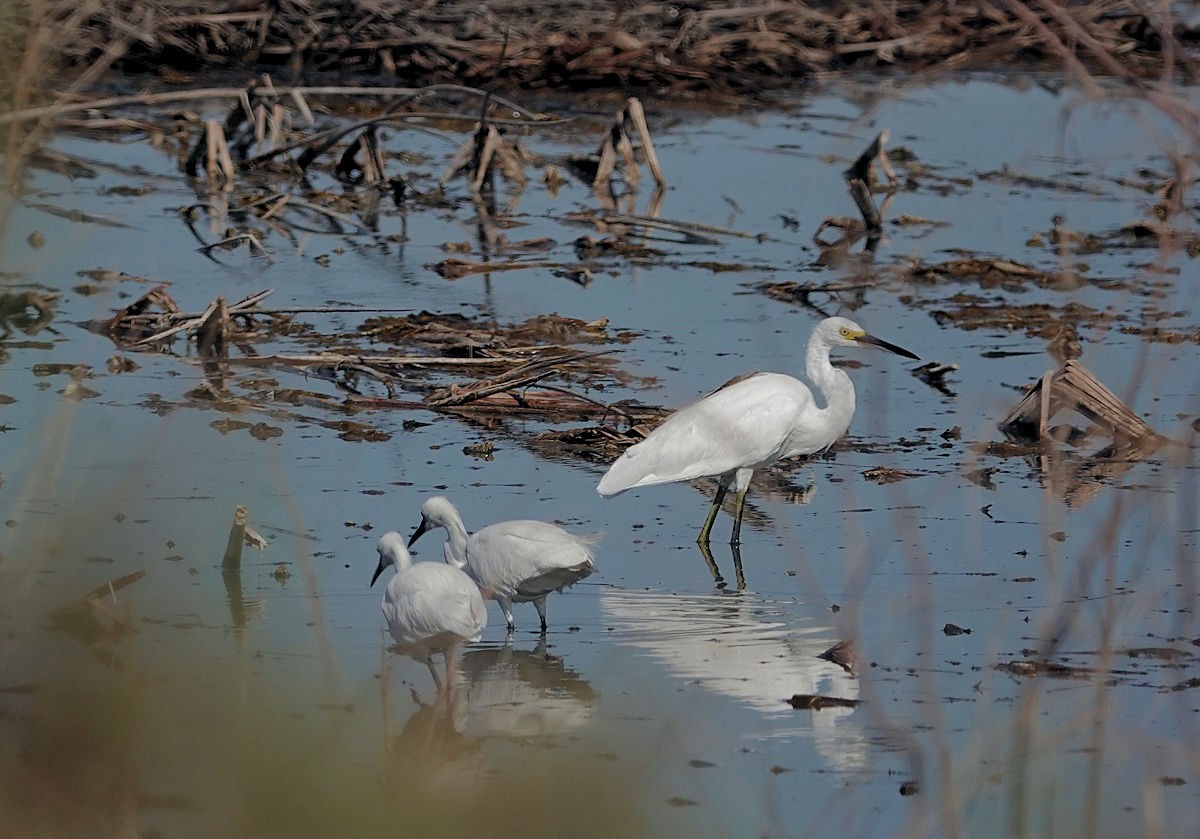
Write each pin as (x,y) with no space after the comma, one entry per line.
(429,606)
(513,561)
(747,424)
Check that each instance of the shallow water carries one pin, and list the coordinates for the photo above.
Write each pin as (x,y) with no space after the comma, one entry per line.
(658,694)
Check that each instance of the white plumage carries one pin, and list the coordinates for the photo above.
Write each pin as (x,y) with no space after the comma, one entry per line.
(748,424)
(429,606)
(516,561)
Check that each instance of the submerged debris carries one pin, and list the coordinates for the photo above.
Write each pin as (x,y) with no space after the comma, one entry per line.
(99,621)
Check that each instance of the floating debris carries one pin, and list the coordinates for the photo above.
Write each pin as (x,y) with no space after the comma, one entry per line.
(816,702)
(934,374)
(843,653)
(1029,668)
(888,475)
(991,272)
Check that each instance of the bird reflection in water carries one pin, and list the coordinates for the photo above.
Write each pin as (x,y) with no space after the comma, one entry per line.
(718,580)
(749,649)
(499,693)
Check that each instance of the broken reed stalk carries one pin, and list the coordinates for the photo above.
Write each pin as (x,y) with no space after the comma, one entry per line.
(858,177)
(638,115)
(617,144)
(232,561)
(213,332)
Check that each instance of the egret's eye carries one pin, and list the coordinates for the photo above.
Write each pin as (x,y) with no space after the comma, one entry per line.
(845,332)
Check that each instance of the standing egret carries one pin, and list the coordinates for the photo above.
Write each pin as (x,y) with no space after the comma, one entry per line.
(513,561)
(429,606)
(748,424)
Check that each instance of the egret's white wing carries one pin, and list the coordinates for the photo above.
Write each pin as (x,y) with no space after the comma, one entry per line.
(742,425)
(507,557)
(429,600)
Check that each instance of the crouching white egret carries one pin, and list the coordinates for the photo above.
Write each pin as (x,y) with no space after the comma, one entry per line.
(517,561)
(429,606)
(748,424)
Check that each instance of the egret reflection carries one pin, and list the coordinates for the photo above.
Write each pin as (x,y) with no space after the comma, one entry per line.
(739,646)
(501,692)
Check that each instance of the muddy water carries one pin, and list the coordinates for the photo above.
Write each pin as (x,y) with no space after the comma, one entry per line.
(656,701)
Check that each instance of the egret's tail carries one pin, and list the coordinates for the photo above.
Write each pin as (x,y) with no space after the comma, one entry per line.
(617,479)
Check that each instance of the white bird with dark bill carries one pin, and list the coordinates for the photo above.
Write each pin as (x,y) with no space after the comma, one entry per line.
(748,424)
(517,561)
(429,606)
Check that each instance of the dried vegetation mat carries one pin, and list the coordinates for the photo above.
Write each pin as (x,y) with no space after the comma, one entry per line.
(701,45)
(546,368)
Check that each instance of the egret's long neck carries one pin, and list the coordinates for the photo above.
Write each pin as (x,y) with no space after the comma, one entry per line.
(456,541)
(400,560)
(834,384)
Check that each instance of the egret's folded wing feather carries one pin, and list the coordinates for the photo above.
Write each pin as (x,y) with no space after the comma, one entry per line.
(430,600)
(739,426)
(503,556)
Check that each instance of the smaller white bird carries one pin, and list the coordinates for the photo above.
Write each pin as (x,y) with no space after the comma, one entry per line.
(517,561)
(429,607)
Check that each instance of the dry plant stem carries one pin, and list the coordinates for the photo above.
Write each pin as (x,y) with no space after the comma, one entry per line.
(1184,115)
(638,115)
(485,150)
(688,228)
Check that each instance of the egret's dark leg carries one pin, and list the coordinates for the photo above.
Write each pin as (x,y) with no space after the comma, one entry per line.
(540,603)
(702,539)
(739,503)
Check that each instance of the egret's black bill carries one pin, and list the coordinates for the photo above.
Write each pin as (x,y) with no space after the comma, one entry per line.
(884,345)
(424,525)
(378,570)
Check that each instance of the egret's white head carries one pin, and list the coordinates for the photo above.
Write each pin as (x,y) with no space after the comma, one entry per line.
(843,332)
(391,552)
(435,512)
